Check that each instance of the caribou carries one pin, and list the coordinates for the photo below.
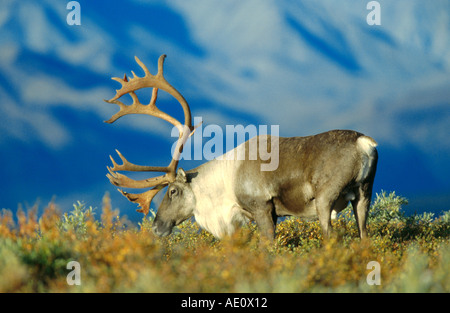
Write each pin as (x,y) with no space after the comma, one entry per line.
(316,176)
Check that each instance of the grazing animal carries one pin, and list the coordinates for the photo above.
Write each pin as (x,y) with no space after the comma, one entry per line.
(316,175)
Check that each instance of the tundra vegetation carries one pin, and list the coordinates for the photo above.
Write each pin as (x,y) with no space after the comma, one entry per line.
(116,256)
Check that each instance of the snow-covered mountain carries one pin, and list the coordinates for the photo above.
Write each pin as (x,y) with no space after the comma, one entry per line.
(308,66)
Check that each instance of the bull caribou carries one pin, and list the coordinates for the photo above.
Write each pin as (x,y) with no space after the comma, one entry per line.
(316,175)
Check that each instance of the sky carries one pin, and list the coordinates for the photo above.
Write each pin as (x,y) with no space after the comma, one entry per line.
(307,66)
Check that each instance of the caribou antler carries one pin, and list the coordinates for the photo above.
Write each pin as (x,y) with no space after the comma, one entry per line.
(185,130)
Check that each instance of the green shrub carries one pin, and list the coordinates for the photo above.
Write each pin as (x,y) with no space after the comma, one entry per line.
(387,208)
(76,220)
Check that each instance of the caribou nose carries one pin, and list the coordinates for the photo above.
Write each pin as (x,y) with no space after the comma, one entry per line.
(161,230)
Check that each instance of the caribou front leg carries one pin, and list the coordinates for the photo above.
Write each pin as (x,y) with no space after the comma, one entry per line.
(266,219)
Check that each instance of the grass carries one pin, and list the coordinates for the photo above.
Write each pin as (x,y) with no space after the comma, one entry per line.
(115,256)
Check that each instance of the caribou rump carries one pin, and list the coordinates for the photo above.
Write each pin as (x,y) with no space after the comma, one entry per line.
(316,175)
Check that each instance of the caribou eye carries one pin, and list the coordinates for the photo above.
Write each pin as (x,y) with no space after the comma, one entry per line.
(173,192)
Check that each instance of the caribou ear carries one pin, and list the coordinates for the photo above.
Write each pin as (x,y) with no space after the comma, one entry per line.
(181,175)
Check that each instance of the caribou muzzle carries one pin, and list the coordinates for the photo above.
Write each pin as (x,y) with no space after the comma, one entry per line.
(161,228)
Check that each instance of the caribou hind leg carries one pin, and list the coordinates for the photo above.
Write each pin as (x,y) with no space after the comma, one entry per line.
(361,205)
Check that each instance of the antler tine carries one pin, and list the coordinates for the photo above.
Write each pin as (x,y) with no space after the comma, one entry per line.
(127,166)
(121,180)
(143,199)
(138,108)
(156,82)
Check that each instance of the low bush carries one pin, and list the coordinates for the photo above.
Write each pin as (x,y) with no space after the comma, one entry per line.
(412,252)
